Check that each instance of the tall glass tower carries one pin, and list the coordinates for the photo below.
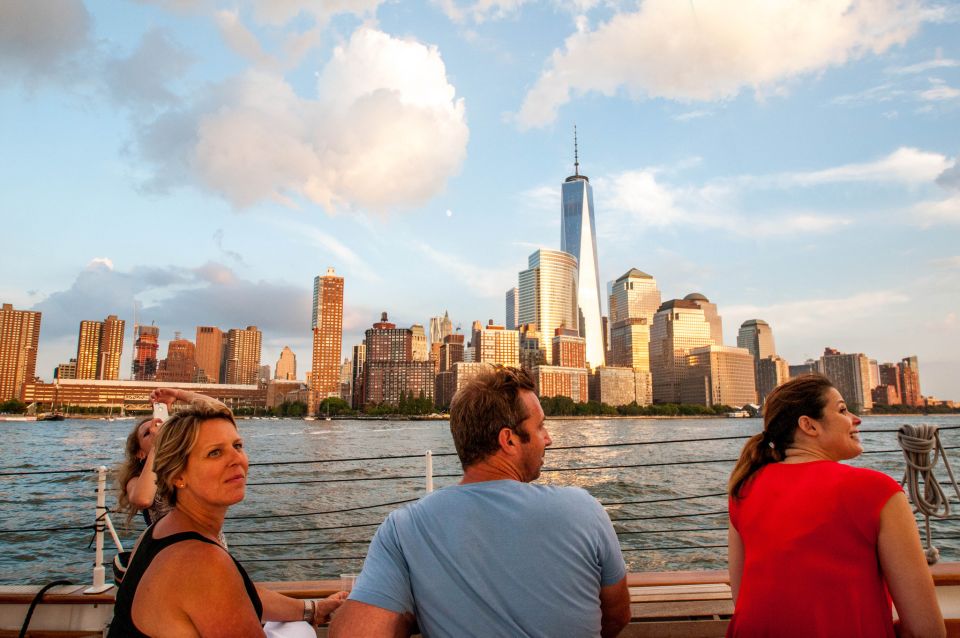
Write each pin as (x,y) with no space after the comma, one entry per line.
(578,237)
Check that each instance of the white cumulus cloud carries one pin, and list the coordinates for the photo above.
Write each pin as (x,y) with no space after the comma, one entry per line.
(705,51)
(384,130)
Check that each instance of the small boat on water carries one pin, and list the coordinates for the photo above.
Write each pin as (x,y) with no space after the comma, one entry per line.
(50,416)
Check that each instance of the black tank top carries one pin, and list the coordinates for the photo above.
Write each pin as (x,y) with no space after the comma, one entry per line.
(122,624)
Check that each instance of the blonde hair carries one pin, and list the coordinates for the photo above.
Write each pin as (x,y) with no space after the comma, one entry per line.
(177,438)
(131,467)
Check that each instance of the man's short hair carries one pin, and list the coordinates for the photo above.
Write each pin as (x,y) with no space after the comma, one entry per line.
(485,406)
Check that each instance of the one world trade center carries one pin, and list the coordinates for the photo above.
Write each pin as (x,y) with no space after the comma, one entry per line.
(578,237)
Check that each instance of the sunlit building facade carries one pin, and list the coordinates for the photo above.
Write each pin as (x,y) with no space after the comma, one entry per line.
(850,373)
(210,353)
(19,337)
(180,366)
(547,293)
(719,375)
(512,300)
(771,372)
(146,342)
(578,237)
(621,386)
(327,325)
(756,336)
(418,343)
(679,326)
(286,369)
(242,356)
(560,381)
(710,314)
(496,345)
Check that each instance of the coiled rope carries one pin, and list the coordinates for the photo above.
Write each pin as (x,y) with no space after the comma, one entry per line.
(918,442)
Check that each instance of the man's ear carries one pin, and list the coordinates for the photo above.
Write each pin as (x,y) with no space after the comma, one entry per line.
(507,440)
(809,426)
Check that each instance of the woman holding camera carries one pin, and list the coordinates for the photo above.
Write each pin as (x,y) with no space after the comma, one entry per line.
(815,546)
(181,581)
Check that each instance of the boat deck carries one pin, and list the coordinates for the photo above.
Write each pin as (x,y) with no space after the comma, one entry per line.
(691,604)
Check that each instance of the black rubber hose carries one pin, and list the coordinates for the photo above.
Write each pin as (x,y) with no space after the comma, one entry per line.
(36,601)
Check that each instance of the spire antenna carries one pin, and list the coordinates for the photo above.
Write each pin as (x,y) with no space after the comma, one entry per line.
(576,155)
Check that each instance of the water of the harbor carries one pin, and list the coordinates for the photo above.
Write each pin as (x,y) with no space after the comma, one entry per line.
(310,530)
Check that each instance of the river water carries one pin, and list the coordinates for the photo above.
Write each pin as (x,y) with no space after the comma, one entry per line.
(304,521)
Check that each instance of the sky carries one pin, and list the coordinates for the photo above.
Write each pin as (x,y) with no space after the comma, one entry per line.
(202,161)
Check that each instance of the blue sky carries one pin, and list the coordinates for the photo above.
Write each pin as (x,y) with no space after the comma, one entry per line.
(793,161)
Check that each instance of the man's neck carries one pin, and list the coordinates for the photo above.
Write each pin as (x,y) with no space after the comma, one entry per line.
(492,468)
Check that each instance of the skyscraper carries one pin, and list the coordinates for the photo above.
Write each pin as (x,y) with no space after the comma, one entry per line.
(210,353)
(679,326)
(243,356)
(99,347)
(548,294)
(145,346)
(578,237)
(910,381)
(512,300)
(19,336)
(850,373)
(756,336)
(286,365)
(419,343)
(495,345)
(390,373)
(327,325)
(440,327)
(710,314)
(180,366)
(634,299)
(719,375)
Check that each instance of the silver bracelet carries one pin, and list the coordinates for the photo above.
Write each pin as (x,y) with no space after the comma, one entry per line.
(309,610)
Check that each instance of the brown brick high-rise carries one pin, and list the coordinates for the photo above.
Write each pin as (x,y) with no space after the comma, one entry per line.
(327,325)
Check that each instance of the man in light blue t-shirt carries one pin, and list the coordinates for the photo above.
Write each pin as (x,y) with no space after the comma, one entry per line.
(494,555)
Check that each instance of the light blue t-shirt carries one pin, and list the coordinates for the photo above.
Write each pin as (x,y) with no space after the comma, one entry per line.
(497,558)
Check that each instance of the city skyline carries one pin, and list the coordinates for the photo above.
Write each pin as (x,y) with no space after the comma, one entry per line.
(811,182)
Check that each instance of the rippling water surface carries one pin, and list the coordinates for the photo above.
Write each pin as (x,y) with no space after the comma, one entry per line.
(304,521)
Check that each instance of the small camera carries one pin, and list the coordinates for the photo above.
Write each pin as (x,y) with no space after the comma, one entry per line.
(160,411)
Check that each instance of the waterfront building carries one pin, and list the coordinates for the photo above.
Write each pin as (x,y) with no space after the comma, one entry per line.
(346,381)
(469,354)
(146,342)
(418,345)
(390,373)
(356,374)
(711,316)
(264,375)
(210,353)
(569,349)
(242,354)
(440,327)
(532,348)
(449,382)
(578,237)
(719,375)
(434,355)
(496,345)
(851,375)
(561,381)
(810,366)
(547,293)
(634,300)
(285,391)
(118,396)
(327,326)
(756,336)
(874,369)
(679,326)
(180,366)
(286,369)
(99,347)
(910,382)
(890,379)
(451,352)
(620,386)
(513,300)
(771,372)
(66,370)
(885,395)
(19,337)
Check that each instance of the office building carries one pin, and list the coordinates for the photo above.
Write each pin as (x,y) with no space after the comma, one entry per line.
(679,326)
(418,344)
(561,381)
(496,345)
(440,327)
(513,300)
(634,299)
(390,373)
(533,349)
(578,237)
(449,382)
(547,293)
(356,374)
(711,316)
(88,348)
(569,349)
(146,342)
(621,386)
(890,388)
(327,326)
(719,375)
(850,374)
(756,336)
(910,382)
(210,353)
(242,355)
(66,370)
(286,368)
(771,372)
(451,352)
(130,396)
(180,366)
(99,347)
(19,336)
(810,366)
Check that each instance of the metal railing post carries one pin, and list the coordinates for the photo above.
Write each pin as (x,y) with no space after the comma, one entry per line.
(99,577)
(429,460)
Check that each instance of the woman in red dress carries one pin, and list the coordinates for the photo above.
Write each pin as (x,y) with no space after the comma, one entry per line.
(818,548)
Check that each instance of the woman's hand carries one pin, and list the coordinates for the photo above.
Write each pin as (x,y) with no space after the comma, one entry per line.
(165,395)
(328,605)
